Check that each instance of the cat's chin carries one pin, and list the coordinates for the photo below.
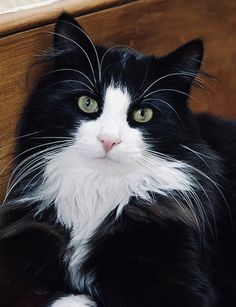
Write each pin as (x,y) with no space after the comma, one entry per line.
(107,158)
(107,165)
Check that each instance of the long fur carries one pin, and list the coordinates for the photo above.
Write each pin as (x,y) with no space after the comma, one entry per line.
(147,223)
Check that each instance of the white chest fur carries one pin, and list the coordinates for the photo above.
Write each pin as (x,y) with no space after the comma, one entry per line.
(83,197)
(84,184)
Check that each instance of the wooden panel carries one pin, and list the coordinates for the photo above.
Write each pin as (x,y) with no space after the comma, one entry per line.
(12,6)
(42,15)
(153,27)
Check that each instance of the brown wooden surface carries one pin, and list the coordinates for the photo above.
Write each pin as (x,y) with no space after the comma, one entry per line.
(39,16)
(150,26)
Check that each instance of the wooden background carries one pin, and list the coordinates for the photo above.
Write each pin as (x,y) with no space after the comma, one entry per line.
(150,26)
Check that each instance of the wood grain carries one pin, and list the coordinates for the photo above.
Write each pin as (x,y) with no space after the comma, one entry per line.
(11,6)
(153,27)
(39,16)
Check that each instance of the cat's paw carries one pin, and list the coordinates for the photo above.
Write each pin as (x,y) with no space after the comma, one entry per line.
(73,301)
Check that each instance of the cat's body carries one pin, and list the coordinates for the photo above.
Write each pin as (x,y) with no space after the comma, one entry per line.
(130,194)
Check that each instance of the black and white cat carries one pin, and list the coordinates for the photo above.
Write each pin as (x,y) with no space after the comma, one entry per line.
(120,195)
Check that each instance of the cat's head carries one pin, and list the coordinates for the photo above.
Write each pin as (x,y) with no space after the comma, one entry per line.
(114,104)
(109,112)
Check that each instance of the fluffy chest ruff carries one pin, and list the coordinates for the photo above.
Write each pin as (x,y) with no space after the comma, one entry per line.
(83,196)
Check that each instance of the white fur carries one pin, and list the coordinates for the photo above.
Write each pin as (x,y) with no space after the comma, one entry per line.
(74,301)
(85,185)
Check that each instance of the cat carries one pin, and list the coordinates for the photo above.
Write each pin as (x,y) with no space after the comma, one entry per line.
(120,195)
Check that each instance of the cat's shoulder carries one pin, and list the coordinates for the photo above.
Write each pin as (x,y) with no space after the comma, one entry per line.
(219,133)
(209,121)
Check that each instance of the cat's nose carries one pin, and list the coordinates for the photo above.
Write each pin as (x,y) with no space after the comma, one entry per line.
(108,142)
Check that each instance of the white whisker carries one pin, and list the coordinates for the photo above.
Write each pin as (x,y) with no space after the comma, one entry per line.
(15,138)
(199,155)
(92,44)
(33,162)
(164,77)
(194,169)
(165,102)
(76,44)
(24,152)
(114,47)
(171,90)
(70,70)
(69,80)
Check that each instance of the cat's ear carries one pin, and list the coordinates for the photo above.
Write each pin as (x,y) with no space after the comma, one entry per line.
(180,68)
(187,57)
(67,33)
(70,39)
(183,64)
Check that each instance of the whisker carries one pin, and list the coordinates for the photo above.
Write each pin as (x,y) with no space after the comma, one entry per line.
(215,184)
(180,74)
(200,186)
(116,46)
(51,137)
(18,137)
(92,44)
(24,152)
(161,78)
(150,165)
(76,44)
(201,207)
(33,164)
(69,80)
(141,87)
(35,155)
(107,67)
(199,156)
(165,102)
(191,207)
(171,90)
(71,70)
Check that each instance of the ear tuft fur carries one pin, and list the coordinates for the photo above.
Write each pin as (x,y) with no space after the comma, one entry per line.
(189,56)
(183,65)
(66,32)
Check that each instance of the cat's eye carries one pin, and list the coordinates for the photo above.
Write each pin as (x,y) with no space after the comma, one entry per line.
(143,115)
(87,104)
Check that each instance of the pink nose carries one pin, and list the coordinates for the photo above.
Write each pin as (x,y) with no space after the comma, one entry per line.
(108,142)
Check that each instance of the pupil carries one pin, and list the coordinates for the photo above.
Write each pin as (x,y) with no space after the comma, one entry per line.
(88,103)
(142,112)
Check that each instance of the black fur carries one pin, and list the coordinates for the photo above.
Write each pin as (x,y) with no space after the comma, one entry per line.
(150,255)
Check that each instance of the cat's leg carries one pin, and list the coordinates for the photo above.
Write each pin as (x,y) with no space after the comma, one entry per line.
(74,301)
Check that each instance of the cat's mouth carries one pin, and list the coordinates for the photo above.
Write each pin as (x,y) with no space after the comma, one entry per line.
(107,158)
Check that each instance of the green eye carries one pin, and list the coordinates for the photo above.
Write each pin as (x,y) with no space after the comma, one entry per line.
(87,104)
(143,115)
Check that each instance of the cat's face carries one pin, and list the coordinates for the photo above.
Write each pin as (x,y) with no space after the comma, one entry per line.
(106,124)
(115,105)
(108,112)
(108,143)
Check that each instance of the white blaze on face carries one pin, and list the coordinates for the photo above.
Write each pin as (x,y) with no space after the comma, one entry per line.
(113,120)
(111,127)
(85,183)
